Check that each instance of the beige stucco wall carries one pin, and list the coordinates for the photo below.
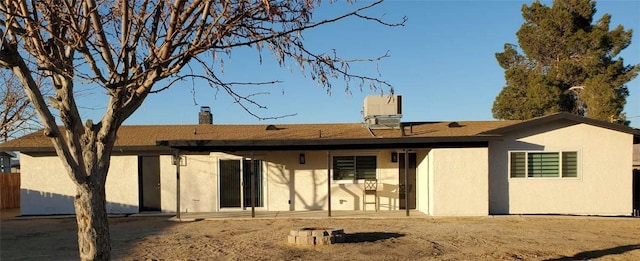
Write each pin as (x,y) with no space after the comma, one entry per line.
(603,186)
(47,189)
(387,182)
(636,156)
(288,185)
(295,186)
(430,182)
(122,185)
(458,183)
(422,181)
(198,184)
(168,184)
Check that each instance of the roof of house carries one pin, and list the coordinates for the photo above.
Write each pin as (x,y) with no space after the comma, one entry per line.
(214,137)
(141,136)
(576,119)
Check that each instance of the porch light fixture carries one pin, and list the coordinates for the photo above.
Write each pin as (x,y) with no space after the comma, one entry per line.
(182,159)
(301,158)
(394,157)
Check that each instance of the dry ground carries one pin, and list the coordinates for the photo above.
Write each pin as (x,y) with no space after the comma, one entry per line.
(478,238)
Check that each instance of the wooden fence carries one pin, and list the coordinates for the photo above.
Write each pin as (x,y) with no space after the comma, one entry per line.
(9,190)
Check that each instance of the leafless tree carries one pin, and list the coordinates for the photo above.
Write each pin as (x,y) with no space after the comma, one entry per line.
(126,47)
(16,114)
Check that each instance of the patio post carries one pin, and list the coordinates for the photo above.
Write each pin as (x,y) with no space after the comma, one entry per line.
(406,183)
(253,187)
(329,181)
(176,161)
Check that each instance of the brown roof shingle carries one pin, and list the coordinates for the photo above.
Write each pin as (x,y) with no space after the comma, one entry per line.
(150,135)
(312,136)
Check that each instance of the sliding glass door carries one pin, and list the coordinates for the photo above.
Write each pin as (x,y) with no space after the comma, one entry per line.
(235,183)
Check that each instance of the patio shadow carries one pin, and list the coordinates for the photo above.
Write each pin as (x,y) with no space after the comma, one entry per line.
(369,236)
(587,255)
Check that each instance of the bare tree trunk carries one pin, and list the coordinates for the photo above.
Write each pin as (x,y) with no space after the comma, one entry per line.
(156,40)
(93,225)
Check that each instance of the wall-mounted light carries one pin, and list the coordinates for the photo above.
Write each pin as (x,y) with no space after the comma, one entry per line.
(182,159)
(394,157)
(302,159)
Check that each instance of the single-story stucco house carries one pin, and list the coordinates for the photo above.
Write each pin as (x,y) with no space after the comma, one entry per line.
(556,164)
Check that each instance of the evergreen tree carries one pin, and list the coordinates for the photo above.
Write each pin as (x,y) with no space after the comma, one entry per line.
(567,63)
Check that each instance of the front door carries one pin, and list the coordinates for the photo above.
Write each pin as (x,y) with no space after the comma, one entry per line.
(235,183)
(411,180)
(149,183)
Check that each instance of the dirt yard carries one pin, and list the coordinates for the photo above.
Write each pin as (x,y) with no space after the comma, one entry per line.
(480,238)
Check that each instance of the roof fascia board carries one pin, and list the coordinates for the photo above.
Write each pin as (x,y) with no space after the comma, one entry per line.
(164,147)
(284,147)
(478,144)
(342,144)
(280,142)
(560,116)
(122,150)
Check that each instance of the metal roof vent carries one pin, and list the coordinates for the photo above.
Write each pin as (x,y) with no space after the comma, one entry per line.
(271,127)
(454,124)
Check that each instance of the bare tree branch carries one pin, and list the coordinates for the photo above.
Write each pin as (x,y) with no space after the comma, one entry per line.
(17,116)
(127,47)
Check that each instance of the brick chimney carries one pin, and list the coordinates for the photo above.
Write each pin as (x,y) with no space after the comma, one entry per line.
(205,116)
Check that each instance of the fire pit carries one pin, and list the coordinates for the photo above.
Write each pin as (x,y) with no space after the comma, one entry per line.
(316,236)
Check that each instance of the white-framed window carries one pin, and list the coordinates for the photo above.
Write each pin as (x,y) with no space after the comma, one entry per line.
(353,168)
(543,164)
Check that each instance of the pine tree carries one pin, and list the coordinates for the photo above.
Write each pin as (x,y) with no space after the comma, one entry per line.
(566,63)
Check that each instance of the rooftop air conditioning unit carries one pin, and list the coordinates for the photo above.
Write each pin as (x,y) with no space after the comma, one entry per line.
(382,105)
(382,111)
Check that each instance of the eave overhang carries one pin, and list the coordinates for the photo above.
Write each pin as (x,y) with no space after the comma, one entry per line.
(328,144)
(576,119)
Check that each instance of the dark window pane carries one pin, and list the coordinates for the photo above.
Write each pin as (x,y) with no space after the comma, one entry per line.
(570,164)
(257,172)
(518,164)
(365,167)
(343,168)
(230,183)
(543,164)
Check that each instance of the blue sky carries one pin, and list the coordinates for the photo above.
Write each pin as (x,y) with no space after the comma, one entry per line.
(442,63)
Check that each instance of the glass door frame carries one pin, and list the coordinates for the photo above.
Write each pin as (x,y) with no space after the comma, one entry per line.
(260,181)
